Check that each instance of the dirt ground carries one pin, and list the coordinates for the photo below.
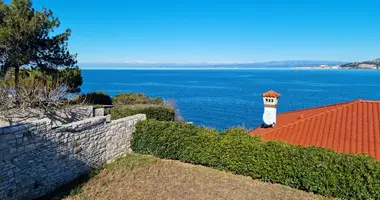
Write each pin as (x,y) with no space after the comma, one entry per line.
(141,177)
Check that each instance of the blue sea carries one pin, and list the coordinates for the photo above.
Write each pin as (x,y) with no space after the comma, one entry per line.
(222,98)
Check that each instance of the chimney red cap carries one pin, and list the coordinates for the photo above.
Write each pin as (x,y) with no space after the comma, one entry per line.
(271,93)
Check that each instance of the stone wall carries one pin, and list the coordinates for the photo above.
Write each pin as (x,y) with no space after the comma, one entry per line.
(35,158)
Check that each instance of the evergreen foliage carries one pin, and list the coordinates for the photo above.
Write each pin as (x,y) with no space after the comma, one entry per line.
(160,113)
(97,98)
(27,39)
(311,169)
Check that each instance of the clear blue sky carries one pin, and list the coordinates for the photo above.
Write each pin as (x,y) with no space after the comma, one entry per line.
(220,31)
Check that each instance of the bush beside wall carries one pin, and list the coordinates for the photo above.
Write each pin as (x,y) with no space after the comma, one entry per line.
(97,98)
(135,98)
(160,113)
(311,169)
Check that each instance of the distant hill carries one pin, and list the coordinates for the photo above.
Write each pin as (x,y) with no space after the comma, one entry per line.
(372,64)
(270,64)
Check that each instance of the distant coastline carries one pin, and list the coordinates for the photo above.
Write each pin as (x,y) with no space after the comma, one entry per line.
(272,65)
(208,66)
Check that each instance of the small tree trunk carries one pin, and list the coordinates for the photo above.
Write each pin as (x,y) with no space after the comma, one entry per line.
(17,79)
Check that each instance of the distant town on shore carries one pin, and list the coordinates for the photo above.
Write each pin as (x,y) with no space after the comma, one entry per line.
(372,64)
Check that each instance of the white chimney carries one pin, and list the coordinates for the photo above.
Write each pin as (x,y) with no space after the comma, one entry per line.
(270,99)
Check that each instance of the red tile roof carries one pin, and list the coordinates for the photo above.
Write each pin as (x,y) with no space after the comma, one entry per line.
(344,127)
(271,93)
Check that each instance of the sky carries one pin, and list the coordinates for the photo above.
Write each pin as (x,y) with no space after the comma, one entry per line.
(181,31)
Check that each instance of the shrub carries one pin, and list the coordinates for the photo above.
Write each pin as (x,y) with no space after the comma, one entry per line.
(160,113)
(97,98)
(135,98)
(311,169)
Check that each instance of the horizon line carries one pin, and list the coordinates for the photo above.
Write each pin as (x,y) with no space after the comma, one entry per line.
(203,63)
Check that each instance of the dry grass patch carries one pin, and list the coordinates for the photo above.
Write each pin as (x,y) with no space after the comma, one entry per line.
(144,177)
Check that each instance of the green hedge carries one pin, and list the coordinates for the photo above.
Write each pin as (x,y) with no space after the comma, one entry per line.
(160,113)
(97,98)
(135,98)
(311,169)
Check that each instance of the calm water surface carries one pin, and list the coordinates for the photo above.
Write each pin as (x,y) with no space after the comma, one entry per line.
(225,98)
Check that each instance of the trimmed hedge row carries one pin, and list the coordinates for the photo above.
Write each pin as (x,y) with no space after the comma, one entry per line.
(311,169)
(160,113)
(135,98)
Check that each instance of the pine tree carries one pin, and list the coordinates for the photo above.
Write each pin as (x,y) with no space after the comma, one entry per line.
(26,40)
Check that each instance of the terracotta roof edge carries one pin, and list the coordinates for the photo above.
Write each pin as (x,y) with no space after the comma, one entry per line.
(342,105)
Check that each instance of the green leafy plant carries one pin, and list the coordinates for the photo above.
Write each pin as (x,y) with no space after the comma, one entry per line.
(161,113)
(135,98)
(311,169)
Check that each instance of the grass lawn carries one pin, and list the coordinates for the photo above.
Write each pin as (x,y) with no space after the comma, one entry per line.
(145,177)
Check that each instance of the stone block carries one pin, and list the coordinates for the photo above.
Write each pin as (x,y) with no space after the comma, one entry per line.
(4,146)
(21,149)
(14,128)
(7,136)
(12,150)
(7,130)
(99,112)
(7,157)
(30,147)
(18,135)
(108,118)
(19,141)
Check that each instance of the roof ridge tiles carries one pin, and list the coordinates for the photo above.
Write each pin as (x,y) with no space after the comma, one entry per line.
(369,101)
(325,106)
